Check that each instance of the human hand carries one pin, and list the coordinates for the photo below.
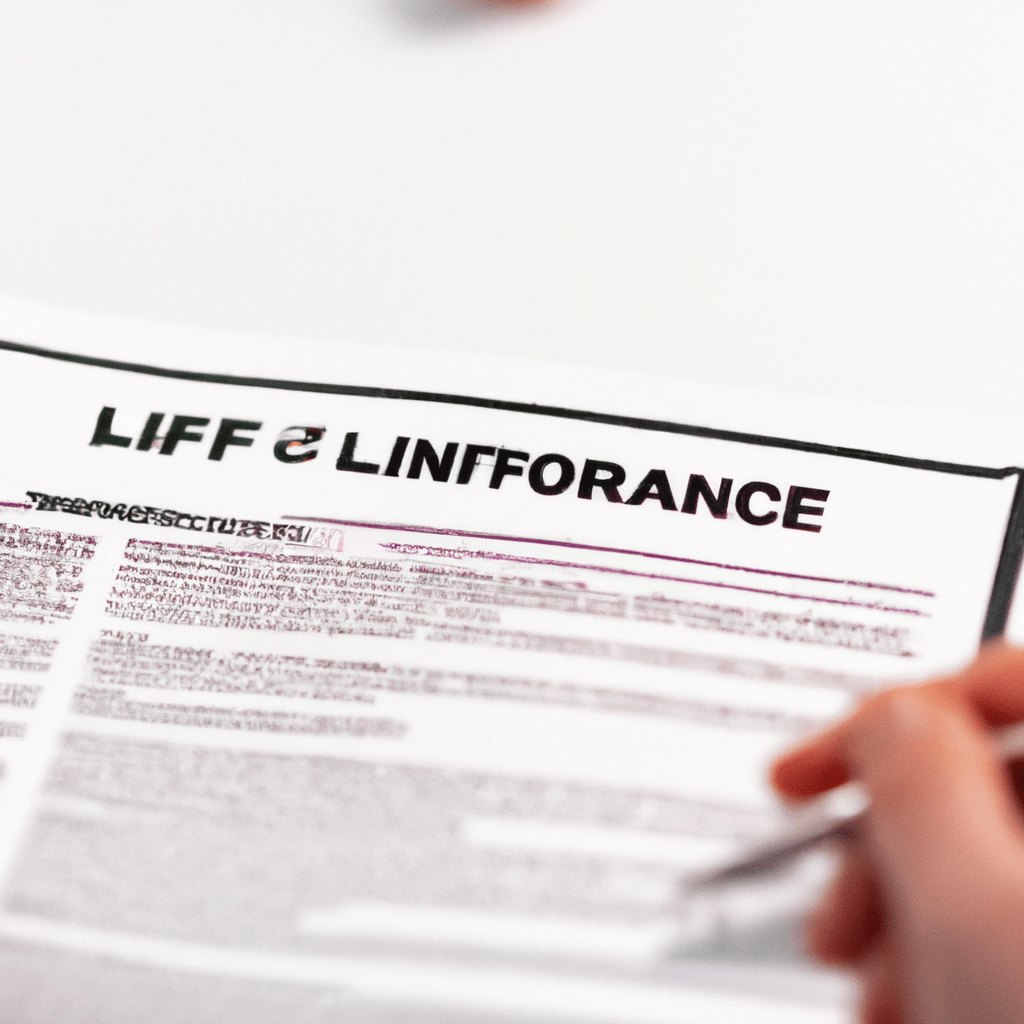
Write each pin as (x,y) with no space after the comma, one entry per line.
(928,906)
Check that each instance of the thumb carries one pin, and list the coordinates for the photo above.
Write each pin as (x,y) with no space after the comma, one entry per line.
(943,827)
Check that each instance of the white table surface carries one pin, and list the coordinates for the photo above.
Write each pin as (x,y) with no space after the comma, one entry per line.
(816,196)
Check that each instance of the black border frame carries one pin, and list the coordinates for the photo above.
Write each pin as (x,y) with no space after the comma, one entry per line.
(1010,558)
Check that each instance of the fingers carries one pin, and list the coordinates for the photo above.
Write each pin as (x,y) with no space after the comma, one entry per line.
(815,766)
(990,691)
(994,684)
(849,917)
(847,930)
(880,1000)
(943,824)
(942,812)
(944,838)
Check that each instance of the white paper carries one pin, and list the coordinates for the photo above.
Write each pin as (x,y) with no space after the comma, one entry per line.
(288,741)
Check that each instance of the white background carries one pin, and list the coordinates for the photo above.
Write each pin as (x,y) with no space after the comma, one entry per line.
(816,197)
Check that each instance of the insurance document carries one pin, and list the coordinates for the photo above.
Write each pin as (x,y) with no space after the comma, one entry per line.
(377,688)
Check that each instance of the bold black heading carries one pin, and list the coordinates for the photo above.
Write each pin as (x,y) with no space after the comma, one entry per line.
(756,502)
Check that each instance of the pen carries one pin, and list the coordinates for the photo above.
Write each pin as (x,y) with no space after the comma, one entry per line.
(836,816)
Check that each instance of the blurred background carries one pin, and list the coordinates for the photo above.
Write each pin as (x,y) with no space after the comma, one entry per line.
(822,198)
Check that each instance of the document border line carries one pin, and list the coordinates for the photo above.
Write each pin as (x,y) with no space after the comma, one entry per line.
(1011,554)
(531,408)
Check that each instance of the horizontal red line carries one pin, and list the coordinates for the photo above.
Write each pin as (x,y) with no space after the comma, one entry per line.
(630,572)
(614,551)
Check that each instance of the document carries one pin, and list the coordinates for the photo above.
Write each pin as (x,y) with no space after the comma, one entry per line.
(341,685)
